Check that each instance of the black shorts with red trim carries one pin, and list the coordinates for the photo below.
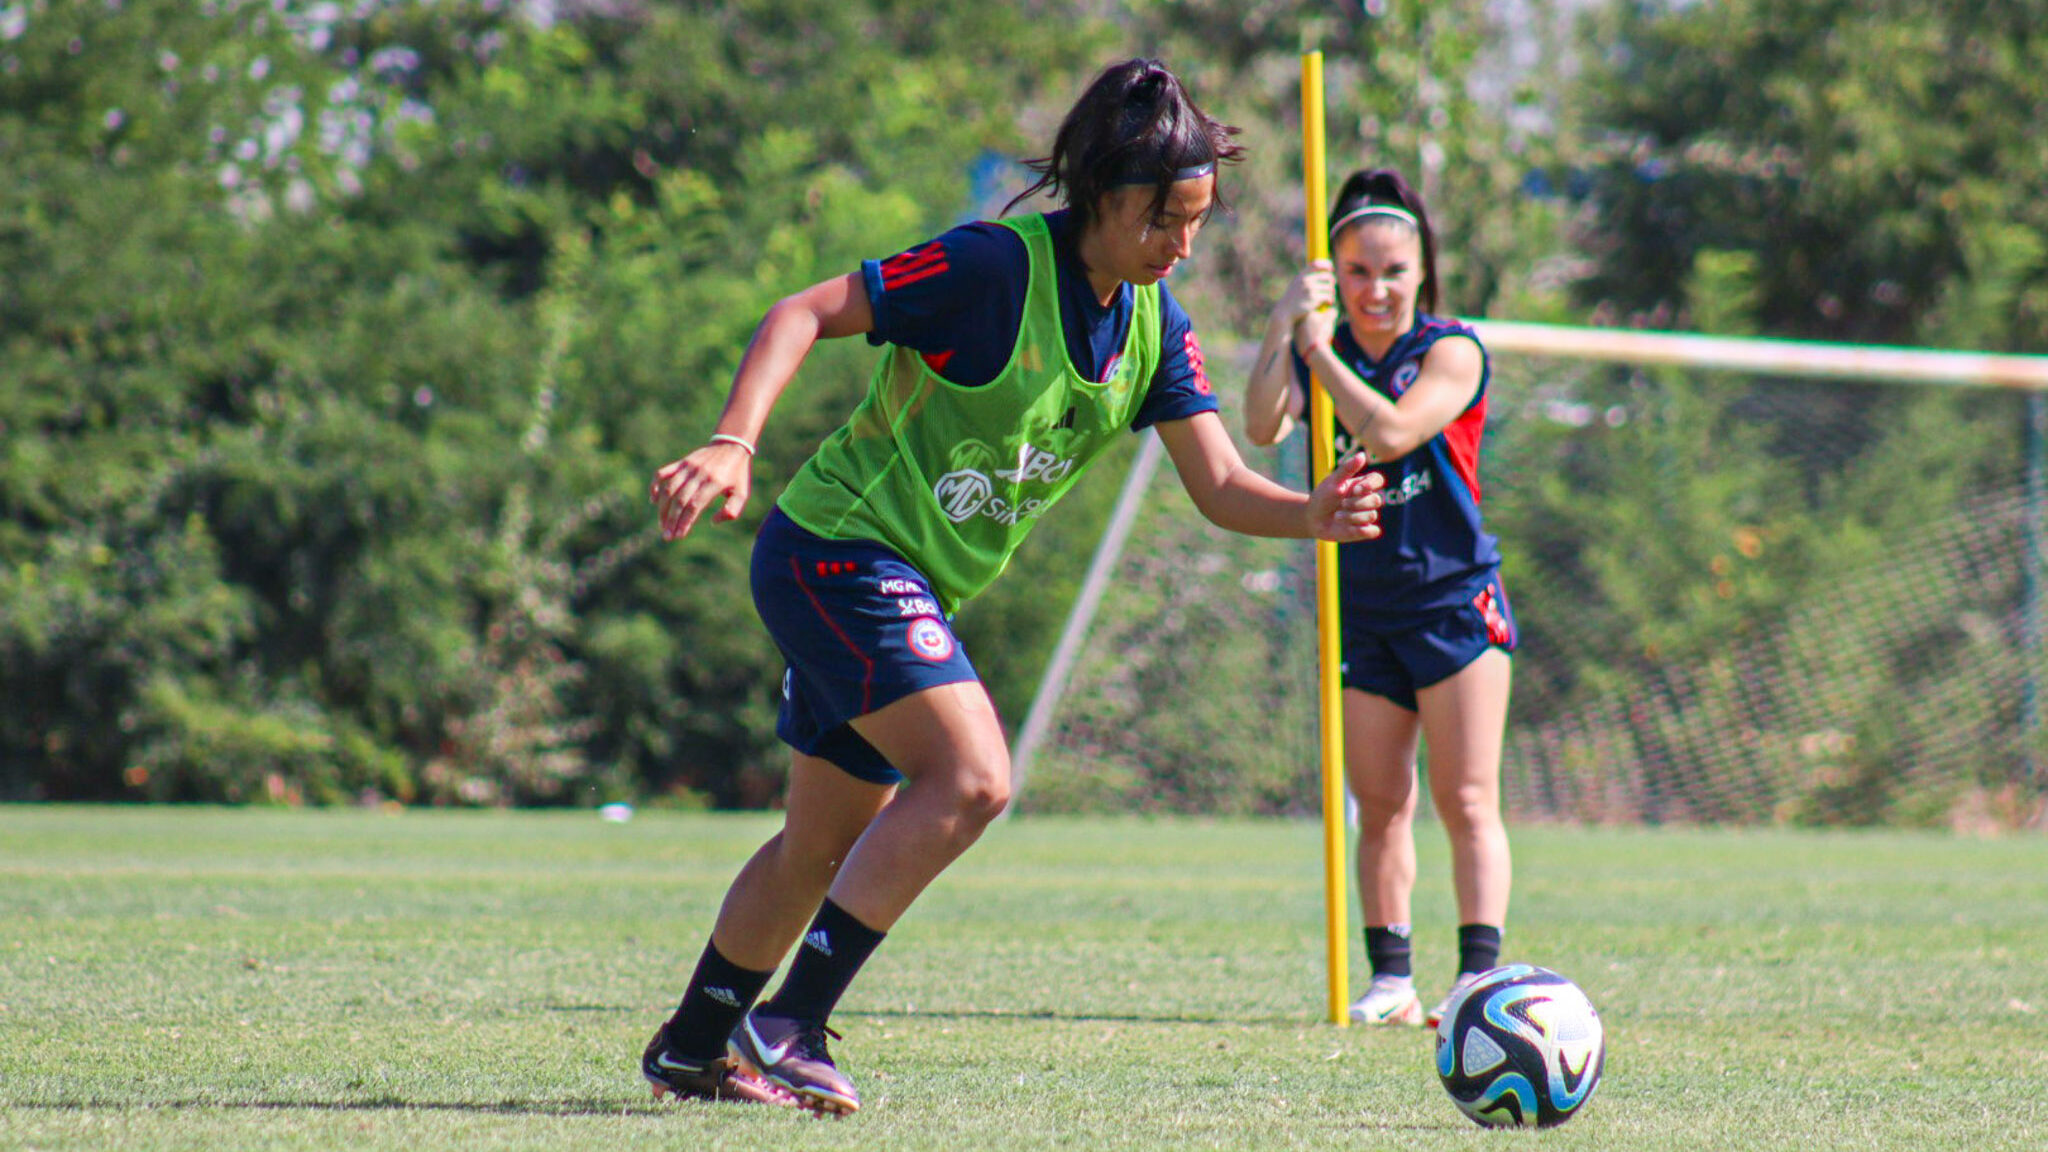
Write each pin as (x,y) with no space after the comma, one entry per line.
(859,628)
(1396,659)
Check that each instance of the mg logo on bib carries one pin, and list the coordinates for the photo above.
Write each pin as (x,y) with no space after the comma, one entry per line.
(973,455)
(961,494)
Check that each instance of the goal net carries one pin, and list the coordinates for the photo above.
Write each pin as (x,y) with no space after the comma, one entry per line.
(1756,583)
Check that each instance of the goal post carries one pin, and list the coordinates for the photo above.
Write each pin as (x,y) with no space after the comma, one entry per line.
(1771,357)
(2001,538)
(1060,667)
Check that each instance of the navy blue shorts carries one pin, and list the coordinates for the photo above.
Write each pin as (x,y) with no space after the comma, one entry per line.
(859,628)
(1395,660)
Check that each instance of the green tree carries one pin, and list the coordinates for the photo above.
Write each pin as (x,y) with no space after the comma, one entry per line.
(340,344)
(1823,170)
(1878,157)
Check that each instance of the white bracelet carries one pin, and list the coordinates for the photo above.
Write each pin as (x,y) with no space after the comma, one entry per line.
(728,438)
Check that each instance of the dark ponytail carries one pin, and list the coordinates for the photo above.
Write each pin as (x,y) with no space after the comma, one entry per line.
(1385,186)
(1136,124)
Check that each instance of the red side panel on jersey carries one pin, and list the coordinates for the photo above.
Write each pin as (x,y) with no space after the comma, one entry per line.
(1461,439)
(914,265)
(1193,348)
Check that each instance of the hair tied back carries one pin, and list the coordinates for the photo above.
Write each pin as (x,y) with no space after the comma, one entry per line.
(1148,87)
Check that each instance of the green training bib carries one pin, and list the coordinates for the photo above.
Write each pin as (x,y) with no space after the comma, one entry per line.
(953,478)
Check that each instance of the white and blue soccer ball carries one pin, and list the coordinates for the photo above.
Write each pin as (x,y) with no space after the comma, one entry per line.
(1520,1047)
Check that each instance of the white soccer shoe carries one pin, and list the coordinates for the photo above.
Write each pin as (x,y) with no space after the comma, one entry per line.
(1388,1000)
(1443,1006)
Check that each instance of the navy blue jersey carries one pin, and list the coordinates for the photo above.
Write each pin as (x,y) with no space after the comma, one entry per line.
(1432,554)
(958,301)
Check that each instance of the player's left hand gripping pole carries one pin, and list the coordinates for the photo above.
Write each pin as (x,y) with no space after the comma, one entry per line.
(1336,893)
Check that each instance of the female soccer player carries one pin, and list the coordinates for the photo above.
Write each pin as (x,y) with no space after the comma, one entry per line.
(1018,351)
(1426,625)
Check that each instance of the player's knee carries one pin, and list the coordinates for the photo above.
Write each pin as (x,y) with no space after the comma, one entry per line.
(983,797)
(1470,810)
(977,792)
(1384,806)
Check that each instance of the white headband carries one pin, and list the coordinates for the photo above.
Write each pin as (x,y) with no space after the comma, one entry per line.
(1394,210)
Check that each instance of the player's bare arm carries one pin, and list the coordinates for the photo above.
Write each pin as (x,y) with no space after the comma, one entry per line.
(1226,490)
(722,469)
(1390,429)
(1272,402)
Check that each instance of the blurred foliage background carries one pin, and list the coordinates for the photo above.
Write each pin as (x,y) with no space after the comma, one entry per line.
(338,340)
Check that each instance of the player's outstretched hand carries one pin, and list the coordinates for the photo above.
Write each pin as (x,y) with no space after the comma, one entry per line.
(683,489)
(1346,505)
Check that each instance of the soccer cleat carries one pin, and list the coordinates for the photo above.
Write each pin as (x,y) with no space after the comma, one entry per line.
(791,1054)
(1388,1000)
(714,1079)
(1444,1005)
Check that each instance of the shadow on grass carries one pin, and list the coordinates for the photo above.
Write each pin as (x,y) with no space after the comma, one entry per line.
(559,1108)
(369,1104)
(635,1012)
(1210,1021)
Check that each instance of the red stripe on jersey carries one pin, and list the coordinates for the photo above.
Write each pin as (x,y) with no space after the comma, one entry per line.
(915,257)
(889,285)
(1462,440)
(914,265)
(1193,348)
(937,361)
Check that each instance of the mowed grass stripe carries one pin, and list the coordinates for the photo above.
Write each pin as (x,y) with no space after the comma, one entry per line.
(190,978)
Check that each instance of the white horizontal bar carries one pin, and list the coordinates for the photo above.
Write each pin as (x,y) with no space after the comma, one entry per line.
(1771,357)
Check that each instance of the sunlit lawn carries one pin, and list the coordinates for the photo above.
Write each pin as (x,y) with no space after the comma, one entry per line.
(206,979)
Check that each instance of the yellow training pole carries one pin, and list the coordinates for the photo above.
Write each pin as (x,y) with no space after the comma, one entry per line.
(1323,456)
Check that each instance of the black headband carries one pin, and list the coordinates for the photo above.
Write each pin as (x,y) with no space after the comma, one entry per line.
(1142,173)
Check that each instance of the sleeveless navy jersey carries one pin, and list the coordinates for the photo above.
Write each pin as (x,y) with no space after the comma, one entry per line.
(959,300)
(1433,553)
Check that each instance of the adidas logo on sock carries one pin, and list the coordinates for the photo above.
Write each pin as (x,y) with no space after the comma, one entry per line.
(725,996)
(820,941)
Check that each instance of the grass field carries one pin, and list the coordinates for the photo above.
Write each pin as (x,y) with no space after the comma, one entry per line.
(203,979)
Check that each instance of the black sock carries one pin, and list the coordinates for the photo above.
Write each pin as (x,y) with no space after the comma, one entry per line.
(719,994)
(1478,947)
(1387,950)
(826,962)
